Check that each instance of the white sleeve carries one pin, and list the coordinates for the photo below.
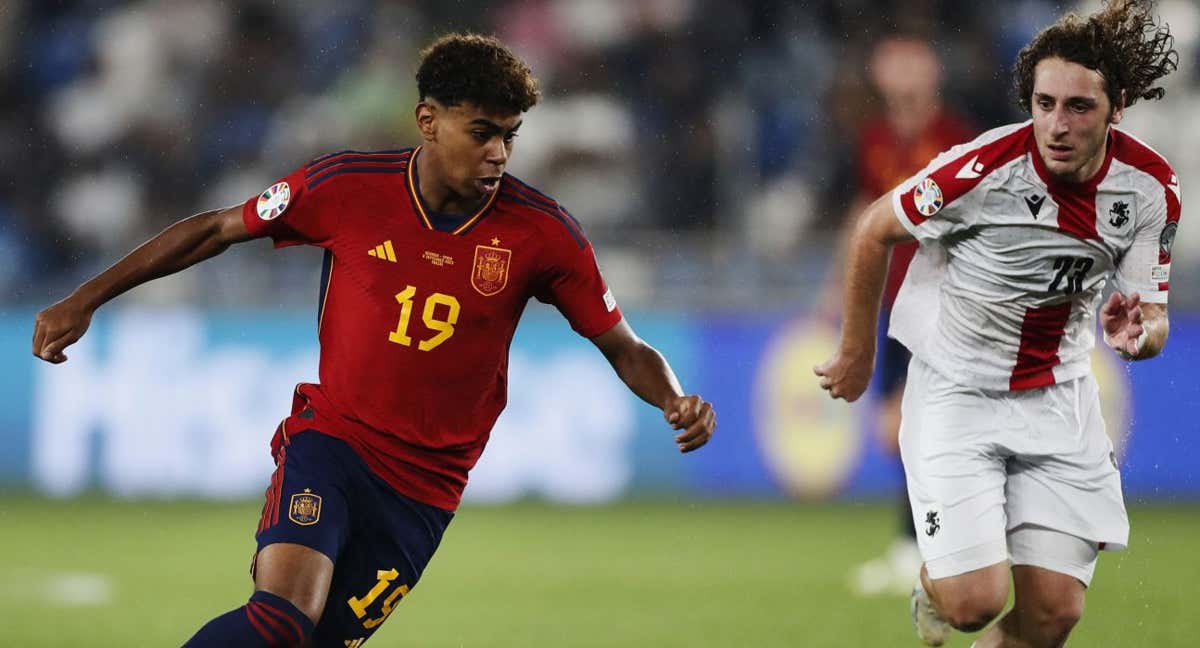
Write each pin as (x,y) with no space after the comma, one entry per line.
(1146,266)
(947,195)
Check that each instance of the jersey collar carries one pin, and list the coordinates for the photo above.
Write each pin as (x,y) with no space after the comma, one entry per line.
(423,211)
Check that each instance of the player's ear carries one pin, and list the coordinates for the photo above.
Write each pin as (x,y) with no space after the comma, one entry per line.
(426,114)
(1118,112)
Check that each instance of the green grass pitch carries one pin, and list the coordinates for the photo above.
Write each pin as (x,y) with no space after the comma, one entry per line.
(94,572)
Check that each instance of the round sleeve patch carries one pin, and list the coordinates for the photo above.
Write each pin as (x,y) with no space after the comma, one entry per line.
(927,196)
(274,200)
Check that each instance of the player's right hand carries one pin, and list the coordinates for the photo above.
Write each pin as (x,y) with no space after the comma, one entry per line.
(847,374)
(58,327)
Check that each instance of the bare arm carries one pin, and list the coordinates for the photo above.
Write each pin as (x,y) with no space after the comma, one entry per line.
(1126,319)
(848,372)
(647,374)
(830,302)
(181,245)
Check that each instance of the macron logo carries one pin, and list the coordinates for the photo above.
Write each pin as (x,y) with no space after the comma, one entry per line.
(971,170)
(1174,187)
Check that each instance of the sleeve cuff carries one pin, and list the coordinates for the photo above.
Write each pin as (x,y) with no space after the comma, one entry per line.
(898,210)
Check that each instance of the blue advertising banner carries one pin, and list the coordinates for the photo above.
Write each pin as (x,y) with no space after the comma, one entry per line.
(164,403)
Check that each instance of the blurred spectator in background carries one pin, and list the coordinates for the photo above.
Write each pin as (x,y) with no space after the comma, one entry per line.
(709,144)
(911,129)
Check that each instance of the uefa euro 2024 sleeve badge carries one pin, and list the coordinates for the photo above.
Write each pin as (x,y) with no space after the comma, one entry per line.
(927,196)
(274,200)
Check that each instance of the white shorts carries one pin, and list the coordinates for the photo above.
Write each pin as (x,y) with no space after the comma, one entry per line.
(979,464)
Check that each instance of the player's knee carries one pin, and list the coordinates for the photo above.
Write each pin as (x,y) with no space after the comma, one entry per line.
(976,609)
(298,574)
(1057,618)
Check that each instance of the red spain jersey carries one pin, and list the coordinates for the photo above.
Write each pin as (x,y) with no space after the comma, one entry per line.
(417,309)
(885,160)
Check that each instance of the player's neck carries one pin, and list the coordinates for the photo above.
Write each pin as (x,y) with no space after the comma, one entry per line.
(435,191)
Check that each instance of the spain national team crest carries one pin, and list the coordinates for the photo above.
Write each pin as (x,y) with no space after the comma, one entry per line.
(489,272)
(274,200)
(305,508)
(927,196)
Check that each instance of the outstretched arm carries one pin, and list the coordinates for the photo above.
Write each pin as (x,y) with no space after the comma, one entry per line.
(649,376)
(1135,330)
(848,372)
(181,245)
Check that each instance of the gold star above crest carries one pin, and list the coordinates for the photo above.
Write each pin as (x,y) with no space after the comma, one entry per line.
(307,490)
(495,241)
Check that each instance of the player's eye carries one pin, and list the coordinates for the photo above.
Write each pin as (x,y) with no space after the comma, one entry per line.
(1045,104)
(481,136)
(509,137)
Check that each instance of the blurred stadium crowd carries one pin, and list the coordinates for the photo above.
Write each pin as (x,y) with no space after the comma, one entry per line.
(707,145)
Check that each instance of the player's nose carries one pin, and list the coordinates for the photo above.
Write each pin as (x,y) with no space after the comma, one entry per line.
(497,153)
(1060,125)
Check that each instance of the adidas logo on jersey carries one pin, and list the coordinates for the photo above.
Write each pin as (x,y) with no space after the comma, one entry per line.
(1035,204)
(384,251)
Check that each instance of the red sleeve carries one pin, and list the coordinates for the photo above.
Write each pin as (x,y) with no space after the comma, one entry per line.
(290,213)
(573,283)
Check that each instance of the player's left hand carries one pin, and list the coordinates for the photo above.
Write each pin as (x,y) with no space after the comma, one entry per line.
(1121,320)
(694,416)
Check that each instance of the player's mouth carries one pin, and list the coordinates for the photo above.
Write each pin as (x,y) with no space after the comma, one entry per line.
(1059,152)
(488,184)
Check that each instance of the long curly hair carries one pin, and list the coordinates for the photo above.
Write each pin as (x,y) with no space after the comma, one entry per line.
(1122,42)
(479,69)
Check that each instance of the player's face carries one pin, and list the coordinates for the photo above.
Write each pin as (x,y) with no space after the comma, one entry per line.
(1071,115)
(473,148)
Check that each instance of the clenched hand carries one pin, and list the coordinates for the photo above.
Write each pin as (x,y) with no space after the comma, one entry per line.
(57,327)
(694,416)
(847,374)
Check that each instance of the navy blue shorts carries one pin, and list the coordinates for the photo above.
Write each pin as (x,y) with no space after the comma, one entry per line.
(324,497)
(891,366)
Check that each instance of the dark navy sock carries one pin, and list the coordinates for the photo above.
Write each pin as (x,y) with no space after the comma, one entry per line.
(266,620)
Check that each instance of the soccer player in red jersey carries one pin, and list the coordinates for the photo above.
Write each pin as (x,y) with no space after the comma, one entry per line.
(431,254)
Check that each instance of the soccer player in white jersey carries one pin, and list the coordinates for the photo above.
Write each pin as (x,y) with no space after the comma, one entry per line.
(1009,470)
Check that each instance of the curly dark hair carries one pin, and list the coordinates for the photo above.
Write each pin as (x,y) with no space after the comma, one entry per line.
(478,69)
(1121,42)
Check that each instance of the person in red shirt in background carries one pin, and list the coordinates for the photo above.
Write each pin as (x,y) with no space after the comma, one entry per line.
(912,129)
(431,254)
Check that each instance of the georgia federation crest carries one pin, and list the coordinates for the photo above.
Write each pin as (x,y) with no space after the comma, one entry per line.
(927,196)
(274,200)
(489,272)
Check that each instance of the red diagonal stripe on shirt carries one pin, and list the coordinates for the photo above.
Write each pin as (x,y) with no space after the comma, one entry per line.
(1041,334)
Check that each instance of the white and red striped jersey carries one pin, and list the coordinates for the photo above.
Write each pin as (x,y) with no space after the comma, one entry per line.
(1004,291)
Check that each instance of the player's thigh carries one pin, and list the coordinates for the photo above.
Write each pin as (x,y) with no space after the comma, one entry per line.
(305,522)
(955,475)
(1051,550)
(392,541)
(1065,476)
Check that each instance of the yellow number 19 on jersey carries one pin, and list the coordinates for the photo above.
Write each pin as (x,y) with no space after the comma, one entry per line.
(444,327)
